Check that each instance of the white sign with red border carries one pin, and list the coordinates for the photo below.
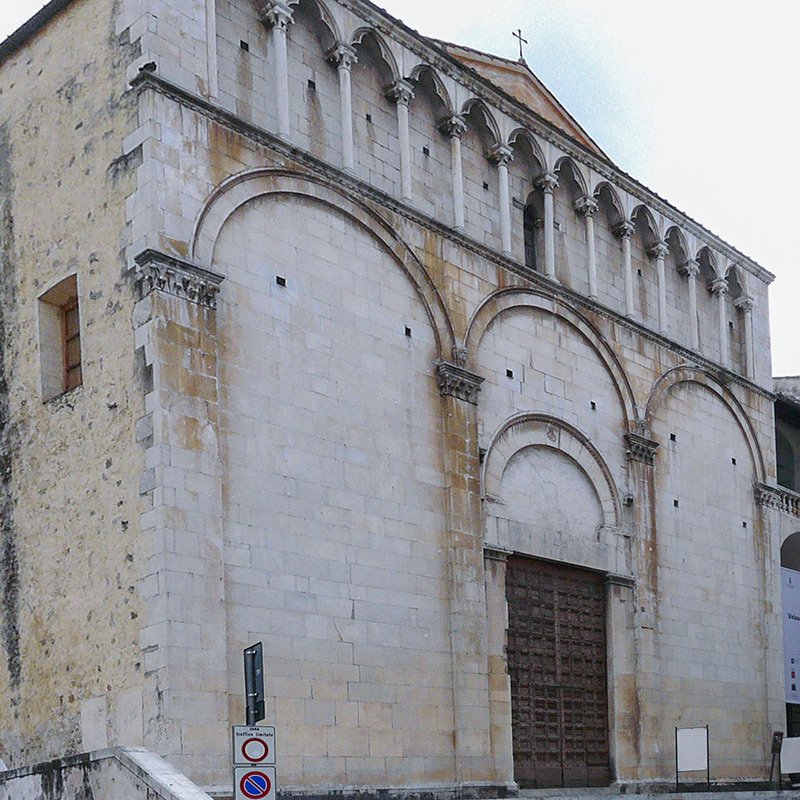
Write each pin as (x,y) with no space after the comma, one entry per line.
(253,746)
(254,783)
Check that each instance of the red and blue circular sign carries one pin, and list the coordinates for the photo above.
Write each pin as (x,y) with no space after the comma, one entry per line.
(255,785)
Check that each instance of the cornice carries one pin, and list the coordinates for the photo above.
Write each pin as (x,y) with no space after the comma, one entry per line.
(161,272)
(364,191)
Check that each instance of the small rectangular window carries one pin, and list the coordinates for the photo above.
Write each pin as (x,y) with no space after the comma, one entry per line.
(72,346)
(60,339)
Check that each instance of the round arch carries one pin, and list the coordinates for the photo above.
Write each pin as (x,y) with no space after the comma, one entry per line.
(577,174)
(790,551)
(328,19)
(240,189)
(676,232)
(649,219)
(358,38)
(488,116)
(524,133)
(438,83)
(613,194)
(505,299)
(686,374)
(543,430)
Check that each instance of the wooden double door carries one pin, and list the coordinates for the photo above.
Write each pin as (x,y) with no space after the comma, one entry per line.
(557,664)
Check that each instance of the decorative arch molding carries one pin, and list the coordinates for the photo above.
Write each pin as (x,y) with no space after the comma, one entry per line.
(424,68)
(613,193)
(577,172)
(486,113)
(240,189)
(505,299)
(687,374)
(524,134)
(386,52)
(542,430)
(326,16)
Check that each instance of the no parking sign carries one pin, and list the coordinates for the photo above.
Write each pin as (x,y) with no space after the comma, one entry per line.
(254,783)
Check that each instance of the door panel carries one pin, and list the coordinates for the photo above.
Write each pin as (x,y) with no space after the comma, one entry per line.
(557,664)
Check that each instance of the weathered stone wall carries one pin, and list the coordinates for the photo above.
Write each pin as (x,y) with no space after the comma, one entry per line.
(71,553)
(301,480)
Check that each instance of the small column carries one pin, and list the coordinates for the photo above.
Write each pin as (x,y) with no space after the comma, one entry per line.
(342,56)
(719,288)
(625,230)
(278,16)
(547,183)
(501,155)
(745,304)
(659,252)
(454,127)
(588,206)
(691,269)
(401,92)
(467,599)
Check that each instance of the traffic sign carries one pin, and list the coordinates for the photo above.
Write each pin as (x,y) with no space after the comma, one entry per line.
(253,745)
(254,783)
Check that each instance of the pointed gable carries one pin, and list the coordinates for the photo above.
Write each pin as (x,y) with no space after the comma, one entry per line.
(516,79)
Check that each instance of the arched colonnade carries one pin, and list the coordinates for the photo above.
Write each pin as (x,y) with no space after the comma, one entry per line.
(681,263)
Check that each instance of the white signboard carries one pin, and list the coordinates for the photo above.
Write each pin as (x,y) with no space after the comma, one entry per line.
(790,583)
(253,745)
(692,744)
(254,783)
(790,755)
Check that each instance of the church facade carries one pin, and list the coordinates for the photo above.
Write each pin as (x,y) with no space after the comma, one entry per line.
(321,333)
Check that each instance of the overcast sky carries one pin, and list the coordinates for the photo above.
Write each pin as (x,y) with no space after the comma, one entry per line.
(697,99)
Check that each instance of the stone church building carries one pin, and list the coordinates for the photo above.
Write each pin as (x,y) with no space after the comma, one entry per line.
(321,333)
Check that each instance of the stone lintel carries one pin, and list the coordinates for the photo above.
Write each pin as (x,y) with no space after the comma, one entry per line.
(455,381)
(640,448)
(624,581)
(492,552)
(160,272)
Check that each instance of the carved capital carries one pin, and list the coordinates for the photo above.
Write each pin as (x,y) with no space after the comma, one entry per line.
(640,448)
(401,92)
(586,205)
(159,272)
(454,126)
(625,229)
(455,381)
(547,182)
(690,268)
(658,250)
(501,154)
(745,303)
(719,286)
(276,14)
(341,55)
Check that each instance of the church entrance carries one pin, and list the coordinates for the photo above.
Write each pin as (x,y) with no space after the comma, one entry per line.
(557,664)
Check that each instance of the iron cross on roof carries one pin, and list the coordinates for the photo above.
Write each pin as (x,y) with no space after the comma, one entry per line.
(518,35)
